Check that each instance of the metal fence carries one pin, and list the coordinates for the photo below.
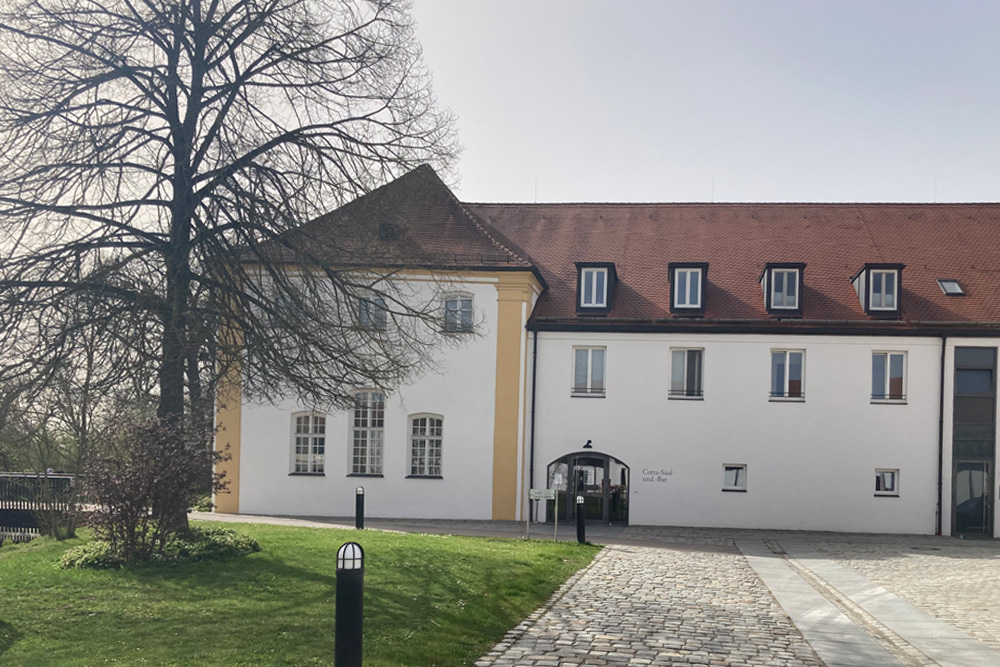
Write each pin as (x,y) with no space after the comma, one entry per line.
(27,498)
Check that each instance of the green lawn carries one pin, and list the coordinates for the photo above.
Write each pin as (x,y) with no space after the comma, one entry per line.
(429,600)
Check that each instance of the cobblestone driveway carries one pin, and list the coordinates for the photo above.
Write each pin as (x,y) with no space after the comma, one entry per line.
(650,606)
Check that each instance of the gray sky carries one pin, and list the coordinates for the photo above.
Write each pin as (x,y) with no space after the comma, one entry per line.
(778,100)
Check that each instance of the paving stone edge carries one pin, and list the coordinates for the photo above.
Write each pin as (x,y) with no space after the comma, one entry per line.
(518,630)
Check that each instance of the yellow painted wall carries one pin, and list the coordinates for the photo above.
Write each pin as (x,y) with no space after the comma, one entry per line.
(227,439)
(514,291)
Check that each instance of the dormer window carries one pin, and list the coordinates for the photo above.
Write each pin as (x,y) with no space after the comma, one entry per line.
(883,291)
(687,288)
(594,291)
(782,287)
(595,287)
(878,288)
(785,288)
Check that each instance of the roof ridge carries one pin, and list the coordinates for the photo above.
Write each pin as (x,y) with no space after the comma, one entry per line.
(477,222)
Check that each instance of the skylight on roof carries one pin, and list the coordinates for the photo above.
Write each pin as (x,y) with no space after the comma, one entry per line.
(950,287)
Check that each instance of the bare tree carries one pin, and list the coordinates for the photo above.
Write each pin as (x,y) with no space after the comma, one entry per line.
(94,376)
(156,154)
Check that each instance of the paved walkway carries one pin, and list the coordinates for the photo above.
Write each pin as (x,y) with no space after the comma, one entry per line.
(689,596)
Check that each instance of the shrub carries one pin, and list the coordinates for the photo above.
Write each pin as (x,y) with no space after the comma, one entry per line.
(197,544)
(203,504)
(96,555)
(143,482)
(209,544)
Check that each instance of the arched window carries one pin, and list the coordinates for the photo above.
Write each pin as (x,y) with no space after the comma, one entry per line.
(309,442)
(368,432)
(426,437)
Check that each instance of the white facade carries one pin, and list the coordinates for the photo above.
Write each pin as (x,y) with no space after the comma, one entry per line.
(460,390)
(810,464)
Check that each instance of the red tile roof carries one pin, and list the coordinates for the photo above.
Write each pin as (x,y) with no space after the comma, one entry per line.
(417,220)
(414,221)
(834,241)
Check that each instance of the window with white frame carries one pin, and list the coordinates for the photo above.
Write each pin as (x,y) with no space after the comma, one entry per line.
(785,288)
(458,313)
(588,371)
(425,445)
(889,376)
(887,481)
(788,374)
(594,287)
(368,433)
(686,373)
(687,288)
(734,477)
(882,294)
(309,443)
(372,314)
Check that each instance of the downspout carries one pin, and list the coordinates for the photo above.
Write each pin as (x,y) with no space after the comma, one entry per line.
(940,498)
(531,454)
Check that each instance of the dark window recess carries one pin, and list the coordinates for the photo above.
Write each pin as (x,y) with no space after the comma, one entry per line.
(975,410)
(973,431)
(973,440)
(974,381)
(974,449)
(975,357)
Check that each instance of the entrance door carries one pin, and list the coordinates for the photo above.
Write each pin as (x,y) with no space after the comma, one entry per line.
(600,479)
(590,481)
(973,514)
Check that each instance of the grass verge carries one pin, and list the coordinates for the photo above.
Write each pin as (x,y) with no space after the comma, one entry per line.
(429,600)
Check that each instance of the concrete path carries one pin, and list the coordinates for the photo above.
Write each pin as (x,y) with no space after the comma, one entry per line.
(929,636)
(836,638)
(689,596)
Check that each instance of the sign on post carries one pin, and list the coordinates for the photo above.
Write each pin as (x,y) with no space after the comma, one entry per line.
(538,494)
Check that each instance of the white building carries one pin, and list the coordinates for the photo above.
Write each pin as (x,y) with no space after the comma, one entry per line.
(793,366)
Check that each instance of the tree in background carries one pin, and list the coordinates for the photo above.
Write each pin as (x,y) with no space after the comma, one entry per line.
(95,374)
(155,154)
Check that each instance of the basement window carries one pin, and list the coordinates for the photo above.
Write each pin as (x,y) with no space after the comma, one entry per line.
(887,481)
(734,477)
